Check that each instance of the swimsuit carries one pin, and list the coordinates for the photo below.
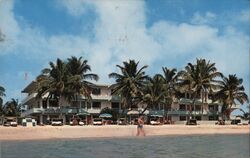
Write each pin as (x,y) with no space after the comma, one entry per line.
(139,126)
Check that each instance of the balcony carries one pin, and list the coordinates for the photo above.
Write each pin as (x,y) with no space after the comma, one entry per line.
(235,106)
(101,97)
(50,110)
(28,98)
(31,111)
(185,112)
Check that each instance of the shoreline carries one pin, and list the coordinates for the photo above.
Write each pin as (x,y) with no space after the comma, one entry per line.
(113,131)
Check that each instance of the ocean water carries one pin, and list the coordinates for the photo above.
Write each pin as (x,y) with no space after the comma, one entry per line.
(200,146)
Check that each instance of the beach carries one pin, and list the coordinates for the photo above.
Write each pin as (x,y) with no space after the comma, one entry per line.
(75,132)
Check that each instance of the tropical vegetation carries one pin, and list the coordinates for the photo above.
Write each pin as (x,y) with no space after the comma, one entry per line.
(198,81)
(66,80)
(12,108)
(231,90)
(130,83)
(2,94)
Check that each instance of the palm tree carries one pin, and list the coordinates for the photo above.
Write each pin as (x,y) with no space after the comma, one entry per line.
(170,77)
(2,91)
(231,90)
(200,79)
(79,77)
(2,94)
(129,83)
(12,108)
(65,79)
(54,81)
(154,93)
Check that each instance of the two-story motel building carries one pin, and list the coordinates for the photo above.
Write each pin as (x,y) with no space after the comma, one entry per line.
(44,109)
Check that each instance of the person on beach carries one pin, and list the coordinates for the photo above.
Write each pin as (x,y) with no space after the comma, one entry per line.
(140,129)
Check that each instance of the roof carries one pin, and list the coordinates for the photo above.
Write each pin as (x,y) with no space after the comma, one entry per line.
(30,87)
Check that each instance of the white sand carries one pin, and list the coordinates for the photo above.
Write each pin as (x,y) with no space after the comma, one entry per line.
(51,132)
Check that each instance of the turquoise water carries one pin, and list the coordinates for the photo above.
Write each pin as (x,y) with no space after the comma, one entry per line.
(202,146)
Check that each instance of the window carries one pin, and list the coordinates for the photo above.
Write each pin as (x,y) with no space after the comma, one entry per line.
(213,107)
(198,108)
(182,107)
(44,104)
(53,103)
(88,105)
(96,105)
(96,91)
(183,118)
(82,104)
(115,105)
(75,104)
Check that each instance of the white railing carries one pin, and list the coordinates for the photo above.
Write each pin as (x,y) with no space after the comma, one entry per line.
(101,97)
(235,106)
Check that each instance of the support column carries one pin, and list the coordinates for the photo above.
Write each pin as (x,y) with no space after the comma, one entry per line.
(41,119)
(64,119)
(47,103)
(41,103)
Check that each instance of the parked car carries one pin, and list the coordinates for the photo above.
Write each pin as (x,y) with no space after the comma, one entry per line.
(155,121)
(57,122)
(29,122)
(97,121)
(76,121)
(10,121)
(121,121)
(235,121)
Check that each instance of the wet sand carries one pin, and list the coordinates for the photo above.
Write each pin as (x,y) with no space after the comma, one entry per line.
(74,132)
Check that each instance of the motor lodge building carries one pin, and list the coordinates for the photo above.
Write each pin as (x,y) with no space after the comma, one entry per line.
(43,109)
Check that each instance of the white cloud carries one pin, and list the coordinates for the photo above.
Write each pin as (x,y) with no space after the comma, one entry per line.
(8,26)
(244,16)
(75,7)
(199,19)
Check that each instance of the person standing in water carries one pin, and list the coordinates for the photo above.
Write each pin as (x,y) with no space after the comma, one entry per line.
(140,129)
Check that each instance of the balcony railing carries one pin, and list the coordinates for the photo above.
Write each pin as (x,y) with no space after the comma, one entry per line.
(101,97)
(235,106)
(185,112)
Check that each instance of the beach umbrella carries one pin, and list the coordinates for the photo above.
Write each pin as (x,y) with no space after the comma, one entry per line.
(105,115)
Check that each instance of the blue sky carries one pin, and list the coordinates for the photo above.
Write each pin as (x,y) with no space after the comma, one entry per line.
(157,33)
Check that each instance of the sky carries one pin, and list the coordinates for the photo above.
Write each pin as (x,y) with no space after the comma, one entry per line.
(167,33)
